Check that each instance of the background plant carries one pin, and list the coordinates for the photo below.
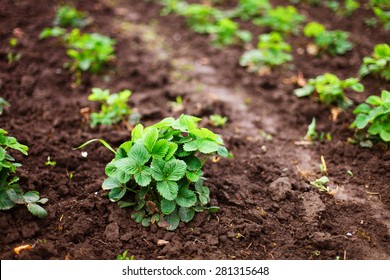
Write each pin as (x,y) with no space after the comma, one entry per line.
(282,19)
(68,16)
(374,114)
(201,18)
(10,191)
(330,89)
(378,63)
(271,51)
(159,171)
(3,103)
(227,32)
(381,9)
(334,42)
(247,9)
(218,120)
(113,109)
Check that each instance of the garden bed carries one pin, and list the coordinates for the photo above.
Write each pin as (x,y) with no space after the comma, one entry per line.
(268,209)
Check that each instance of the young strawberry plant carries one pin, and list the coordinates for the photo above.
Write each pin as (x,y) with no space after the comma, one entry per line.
(271,51)
(159,171)
(330,89)
(113,108)
(217,120)
(12,54)
(374,114)
(10,192)
(378,63)
(226,32)
(334,42)
(247,9)
(68,16)
(201,18)
(381,9)
(281,19)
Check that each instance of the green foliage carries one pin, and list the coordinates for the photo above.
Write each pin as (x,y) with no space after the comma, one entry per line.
(226,32)
(381,9)
(12,55)
(310,2)
(247,9)
(312,134)
(330,89)
(378,63)
(218,120)
(3,103)
(68,16)
(334,42)
(159,171)
(124,256)
(10,192)
(321,183)
(282,19)
(374,114)
(347,9)
(113,108)
(173,6)
(201,18)
(271,51)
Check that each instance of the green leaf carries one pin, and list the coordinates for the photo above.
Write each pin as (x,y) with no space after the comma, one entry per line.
(140,204)
(139,154)
(172,147)
(173,221)
(138,216)
(155,218)
(186,198)
(137,132)
(5,202)
(194,176)
(145,222)
(168,189)
(204,133)
(174,169)
(208,146)
(362,121)
(124,204)
(105,144)
(304,91)
(2,154)
(167,206)
(31,196)
(374,100)
(193,163)
(186,214)
(110,183)
(213,209)
(357,87)
(160,149)
(116,194)
(150,138)
(385,135)
(36,210)
(157,167)
(143,176)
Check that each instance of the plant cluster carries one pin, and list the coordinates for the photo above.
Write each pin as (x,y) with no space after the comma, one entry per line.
(347,9)
(271,51)
(159,171)
(10,191)
(378,63)
(381,9)
(334,42)
(374,114)
(248,9)
(330,89)
(68,16)
(113,108)
(281,19)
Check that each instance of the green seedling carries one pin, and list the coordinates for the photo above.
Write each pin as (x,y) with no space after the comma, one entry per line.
(281,19)
(124,256)
(68,16)
(159,171)
(177,105)
(217,120)
(321,183)
(50,162)
(3,103)
(374,114)
(201,18)
(334,42)
(226,32)
(330,89)
(12,55)
(173,6)
(113,107)
(10,191)
(271,51)
(383,16)
(378,63)
(312,134)
(347,9)
(248,9)
(350,173)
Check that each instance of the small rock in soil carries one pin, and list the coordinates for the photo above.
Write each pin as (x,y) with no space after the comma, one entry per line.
(112,232)
(279,188)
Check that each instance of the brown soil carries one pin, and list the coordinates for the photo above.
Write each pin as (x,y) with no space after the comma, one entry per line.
(268,208)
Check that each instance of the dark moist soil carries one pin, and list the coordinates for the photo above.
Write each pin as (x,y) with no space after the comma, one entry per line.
(268,208)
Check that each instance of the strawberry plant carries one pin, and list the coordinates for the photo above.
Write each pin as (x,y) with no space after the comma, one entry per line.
(3,103)
(271,51)
(334,42)
(218,120)
(159,171)
(281,19)
(381,9)
(378,63)
(113,108)
(226,32)
(68,16)
(10,191)
(374,114)
(330,89)
(201,18)
(247,9)
(347,9)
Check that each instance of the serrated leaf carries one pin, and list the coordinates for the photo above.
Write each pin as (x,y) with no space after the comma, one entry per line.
(174,169)
(139,154)
(186,198)
(116,194)
(137,132)
(160,149)
(192,146)
(167,206)
(186,214)
(193,163)
(173,221)
(194,176)
(208,146)
(31,197)
(168,189)
(143,176)
(150,138)
(36,210)
(157,167)
(172,147)
(204,133)
(110,183)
